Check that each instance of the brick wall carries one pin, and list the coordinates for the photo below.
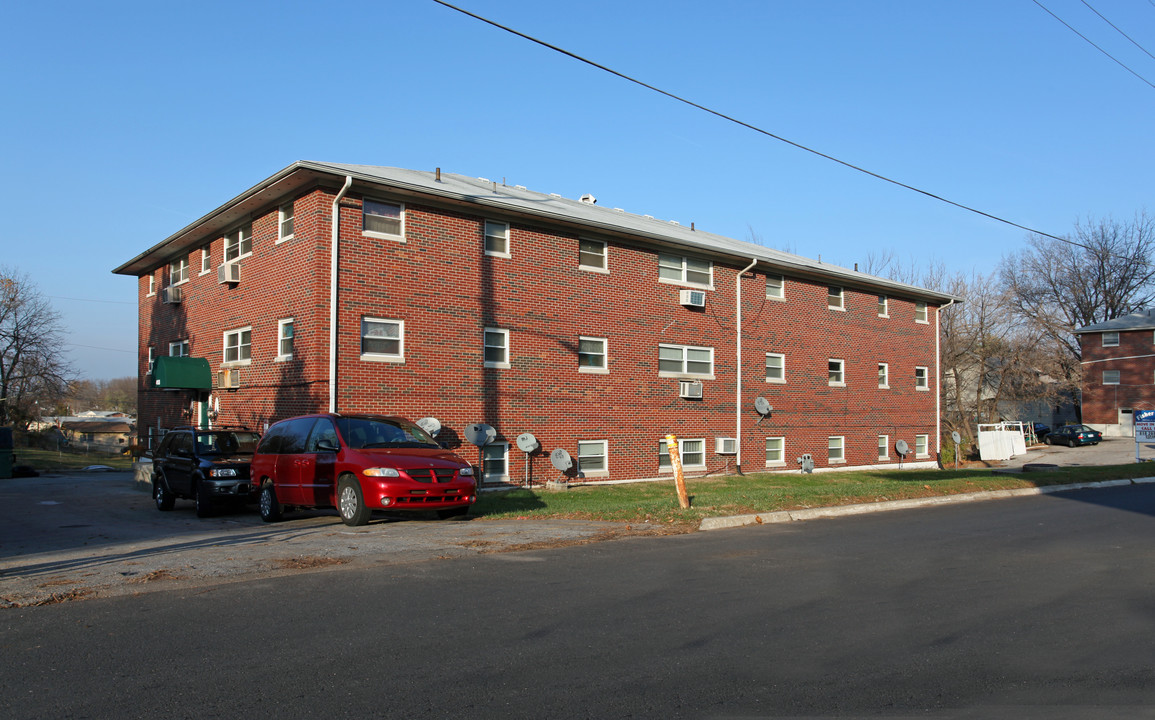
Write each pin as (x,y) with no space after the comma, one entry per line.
(1132,360)
(446,290)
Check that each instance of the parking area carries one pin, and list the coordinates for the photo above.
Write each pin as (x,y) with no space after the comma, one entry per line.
(1111,451)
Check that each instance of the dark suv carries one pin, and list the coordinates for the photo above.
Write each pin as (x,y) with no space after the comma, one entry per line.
(205,465)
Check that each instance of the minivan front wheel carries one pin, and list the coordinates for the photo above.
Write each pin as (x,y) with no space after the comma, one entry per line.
(351,503)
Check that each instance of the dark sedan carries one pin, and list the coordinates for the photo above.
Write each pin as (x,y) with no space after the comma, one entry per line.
(1072,435)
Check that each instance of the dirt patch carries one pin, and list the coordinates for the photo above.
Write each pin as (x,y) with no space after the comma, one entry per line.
(309,562)
(53,599)
(614,534)
(162,574)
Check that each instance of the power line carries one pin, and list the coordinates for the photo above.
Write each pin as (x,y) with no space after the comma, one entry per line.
(1117,28)
(93,347)
(1044,7)
(111,302)
(754,127)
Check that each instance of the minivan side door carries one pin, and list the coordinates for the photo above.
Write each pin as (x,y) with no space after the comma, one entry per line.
(294,464)
(319,488)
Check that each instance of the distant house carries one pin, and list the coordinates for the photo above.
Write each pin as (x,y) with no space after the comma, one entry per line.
(1118,371)
(94,430)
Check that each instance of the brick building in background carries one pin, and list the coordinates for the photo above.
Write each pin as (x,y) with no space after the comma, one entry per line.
(597,330)
(1118,371)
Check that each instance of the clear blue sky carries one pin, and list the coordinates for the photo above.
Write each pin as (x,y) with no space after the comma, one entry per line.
(123,122)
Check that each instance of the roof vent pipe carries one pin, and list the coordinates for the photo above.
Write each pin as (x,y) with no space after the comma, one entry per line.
(438,175)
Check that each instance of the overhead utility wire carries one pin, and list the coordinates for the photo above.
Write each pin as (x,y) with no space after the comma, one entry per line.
(1044,7)
(1117,29)
(755,128)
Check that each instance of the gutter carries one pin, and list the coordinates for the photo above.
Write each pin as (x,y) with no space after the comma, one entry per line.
(738,386)
(334,247)
(938,378)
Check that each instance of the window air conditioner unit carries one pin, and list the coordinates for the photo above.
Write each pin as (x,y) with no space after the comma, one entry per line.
(229,378)
(229,273)
(690,389)
(171,295)
(692,298)
(726,446)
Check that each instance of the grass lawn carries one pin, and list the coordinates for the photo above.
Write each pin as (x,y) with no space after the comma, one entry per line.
(53,460)
(657,502)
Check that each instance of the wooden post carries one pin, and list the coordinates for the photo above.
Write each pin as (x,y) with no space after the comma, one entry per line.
(679,477)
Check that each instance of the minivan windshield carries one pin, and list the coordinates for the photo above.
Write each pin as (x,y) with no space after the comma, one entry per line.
(367,433)
(227,442)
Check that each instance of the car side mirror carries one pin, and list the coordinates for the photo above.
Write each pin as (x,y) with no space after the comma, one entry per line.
(327,446)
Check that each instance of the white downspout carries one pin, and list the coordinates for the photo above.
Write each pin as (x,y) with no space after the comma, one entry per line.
(738,391)
(938,381)
(335,246)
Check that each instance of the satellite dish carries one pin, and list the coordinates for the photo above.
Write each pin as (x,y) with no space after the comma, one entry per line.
(902,447)
(527,443)
(956,437)
(762,405)
(561,459)
(480,434)
(430,425)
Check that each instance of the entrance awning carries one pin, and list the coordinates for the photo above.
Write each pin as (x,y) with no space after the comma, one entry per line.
(181,373)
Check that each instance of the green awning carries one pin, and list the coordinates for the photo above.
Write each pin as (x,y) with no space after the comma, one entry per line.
(181,373)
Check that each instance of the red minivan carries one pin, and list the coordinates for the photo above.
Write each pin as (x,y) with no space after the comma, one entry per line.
(357,464)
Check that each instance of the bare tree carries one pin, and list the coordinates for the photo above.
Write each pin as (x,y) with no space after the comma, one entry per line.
(32,367)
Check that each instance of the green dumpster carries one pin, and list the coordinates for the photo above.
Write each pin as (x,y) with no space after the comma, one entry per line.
(5,453)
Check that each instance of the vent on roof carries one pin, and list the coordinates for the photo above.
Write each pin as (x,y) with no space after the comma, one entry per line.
(520,187)
(587,198)
(619,210)
(483,179)
(554,195)
(675,222)
(648,216)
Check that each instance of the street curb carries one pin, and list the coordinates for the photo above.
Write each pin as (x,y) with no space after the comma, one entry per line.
(786,516)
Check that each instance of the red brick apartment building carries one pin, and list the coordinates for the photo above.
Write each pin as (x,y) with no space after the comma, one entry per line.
(597,330)
(1118,371)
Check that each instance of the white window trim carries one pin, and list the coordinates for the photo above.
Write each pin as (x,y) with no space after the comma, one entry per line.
(151,285)
(280,336)
(841,306)
(842,447)
(1107,344)
(605,454)
(206,254)
(885,454)
(225,346)
(1119,377)
(399,357)
(684,282)
(605,257)
(381,235)
(682,455)
(178,344)
(925,311)
(885,306)
(688,375)
(281,222)
(841,372)
(782,288)
(886,368)
(605,369)
(499,365)
(187,272)
(494,477)
(236,231)
(151,360)
(926,445)
(775,381)
(485,239)
(782,462)
(925,375)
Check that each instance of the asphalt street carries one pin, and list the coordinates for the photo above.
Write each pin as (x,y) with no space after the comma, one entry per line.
(1027,607)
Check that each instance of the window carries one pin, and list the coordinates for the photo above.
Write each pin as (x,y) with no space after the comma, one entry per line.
(152,285)
(834,298)
(495,462)
(239,243)
(206,260)
(178,271)
(382,339)
(151,360)
(684,270)
(834,449)
(676,360)
(496,239)
(883,375)
(382,219)
(921,380)
(775,287)
(834,373)
(691,452)
(921,446)
(591,354)
(592,457)
(592,255)
(178,348)
(496,348)
(775,368)
(285,222)
(775,451)
(1110,377)
(920,311)
(883,306)
(238,345)
(1110,339)
(285,339)
(883,447)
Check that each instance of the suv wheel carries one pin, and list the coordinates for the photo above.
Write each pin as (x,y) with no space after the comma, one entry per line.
(351,503)
(204,500)
(271,510)
(160,493)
